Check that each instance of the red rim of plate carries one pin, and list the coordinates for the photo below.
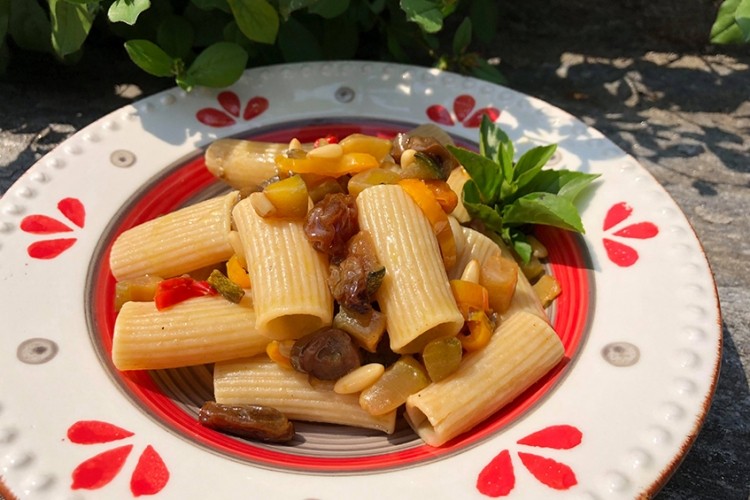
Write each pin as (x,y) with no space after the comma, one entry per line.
(566,259)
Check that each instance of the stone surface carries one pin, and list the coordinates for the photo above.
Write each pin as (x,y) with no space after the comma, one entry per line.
(681,109)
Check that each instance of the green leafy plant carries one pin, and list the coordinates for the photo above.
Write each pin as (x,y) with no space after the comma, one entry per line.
(732,24)
(210,42)
(509,195)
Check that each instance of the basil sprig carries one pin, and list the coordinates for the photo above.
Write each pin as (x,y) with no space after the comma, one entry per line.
(508,196)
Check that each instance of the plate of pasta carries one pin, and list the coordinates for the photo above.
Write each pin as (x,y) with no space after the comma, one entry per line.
(346,272)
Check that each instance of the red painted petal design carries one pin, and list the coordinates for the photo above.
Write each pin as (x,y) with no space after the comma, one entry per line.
(230,102)
(462,106)
(73,209)
(150,474)
(96,431)
(476,119)
(439,114)
(100,469)
(49,249)
(619,253)
(559,437)
(641,230)
(616,214)
(550,472)
(255,106)
(214,118)
(497,478)
(43,224)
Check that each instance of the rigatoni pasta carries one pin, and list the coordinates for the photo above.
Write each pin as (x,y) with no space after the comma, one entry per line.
(415,295)
(384,253)
(197,331)
(260,381)
(179,242)
(289,278)
(520,352)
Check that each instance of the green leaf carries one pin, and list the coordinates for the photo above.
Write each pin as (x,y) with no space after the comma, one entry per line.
(297,43)
(329,9)
(517,240)
(543,208)
(531,163)
(462,37)
(565,183)
(175,35)
(742,18)
(483,171)
(150,58)
(221,5)
(472,201)
(29,26)
(732,24)
(486,71)
(257,19)
(127,11)
(491,142)
(219,65)
(427,14)
(71,23)
(287,7)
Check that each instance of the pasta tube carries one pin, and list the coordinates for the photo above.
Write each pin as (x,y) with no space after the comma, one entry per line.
(197,331)
(260,381)
(176,243)
(522,350)
(289,278)
(480,247)
(415,294)
(243,164)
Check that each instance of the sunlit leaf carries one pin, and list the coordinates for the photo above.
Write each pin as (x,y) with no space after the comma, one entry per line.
(127,11)
(257,19)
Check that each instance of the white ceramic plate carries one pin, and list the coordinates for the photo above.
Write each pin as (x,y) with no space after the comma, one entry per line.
(641,320)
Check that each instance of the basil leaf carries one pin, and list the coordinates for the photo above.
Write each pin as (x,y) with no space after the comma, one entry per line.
(491,139)
(127,11)
(149,57)
(531,163)
(426,13)
(520,245)
(565,183)
(218,65)
(257,19)
(543,208)
(482,170)
(471,199)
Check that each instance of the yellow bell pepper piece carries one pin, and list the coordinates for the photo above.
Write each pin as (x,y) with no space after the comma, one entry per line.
(347,163)
(479,331)
(288,196)
(470,297)
(425,199)
(237,273)
(362,143)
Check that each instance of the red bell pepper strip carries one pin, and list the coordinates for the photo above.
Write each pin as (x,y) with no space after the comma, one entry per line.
(175,290)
